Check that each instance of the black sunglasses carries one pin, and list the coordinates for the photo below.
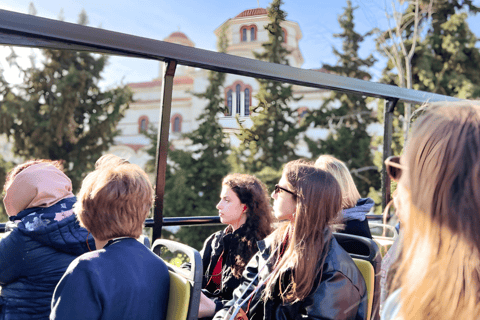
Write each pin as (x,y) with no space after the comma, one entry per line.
(278,189)
(394,168)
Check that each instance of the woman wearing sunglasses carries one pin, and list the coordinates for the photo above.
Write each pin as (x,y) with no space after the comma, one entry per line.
(438,276)
(302,270)
(244,206)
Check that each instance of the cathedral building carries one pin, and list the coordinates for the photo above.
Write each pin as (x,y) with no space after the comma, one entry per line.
(245,33)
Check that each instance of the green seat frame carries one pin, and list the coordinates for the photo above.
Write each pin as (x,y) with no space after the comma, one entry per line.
(185,285)
(369,265)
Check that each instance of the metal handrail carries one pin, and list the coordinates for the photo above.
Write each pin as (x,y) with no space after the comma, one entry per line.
(31,31)
(197,221)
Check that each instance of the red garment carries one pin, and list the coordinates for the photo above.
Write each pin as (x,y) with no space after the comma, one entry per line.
(217,272)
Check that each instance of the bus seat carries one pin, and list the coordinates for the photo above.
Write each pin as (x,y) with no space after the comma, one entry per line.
(178,297)
(185,285)
(368,274)
(365,249)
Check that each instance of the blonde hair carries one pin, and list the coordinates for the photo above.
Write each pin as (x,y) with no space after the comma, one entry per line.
(114,201)
(339,170)
(439,270)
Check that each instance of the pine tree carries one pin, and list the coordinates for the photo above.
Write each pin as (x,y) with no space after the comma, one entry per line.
(274,135)
(194,176)
(60,113)
(346,115)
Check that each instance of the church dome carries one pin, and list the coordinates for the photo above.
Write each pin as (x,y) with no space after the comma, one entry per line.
(179,38)
(252,12)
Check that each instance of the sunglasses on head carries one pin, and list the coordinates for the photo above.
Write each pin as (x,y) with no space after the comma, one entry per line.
(278,189)
(394,168)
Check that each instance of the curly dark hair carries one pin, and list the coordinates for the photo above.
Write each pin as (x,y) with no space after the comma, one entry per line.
(253,193)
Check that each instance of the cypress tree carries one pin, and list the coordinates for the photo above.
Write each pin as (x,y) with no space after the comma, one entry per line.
(60,112)
(194,176)
(272,139)
(346,115)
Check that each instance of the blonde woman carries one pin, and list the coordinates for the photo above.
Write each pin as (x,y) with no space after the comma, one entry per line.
(354,207)
(439,201)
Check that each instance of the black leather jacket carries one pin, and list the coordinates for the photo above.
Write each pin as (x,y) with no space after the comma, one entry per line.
(340,293)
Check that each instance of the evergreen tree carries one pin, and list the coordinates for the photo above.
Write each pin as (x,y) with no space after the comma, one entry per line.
(60,113)
(274,135)
(346,115)
(194,176)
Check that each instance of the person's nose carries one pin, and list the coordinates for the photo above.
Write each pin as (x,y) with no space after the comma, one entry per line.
(219,205)
(274,195)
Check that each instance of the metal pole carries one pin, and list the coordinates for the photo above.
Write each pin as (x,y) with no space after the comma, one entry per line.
(162,145)
(387,148)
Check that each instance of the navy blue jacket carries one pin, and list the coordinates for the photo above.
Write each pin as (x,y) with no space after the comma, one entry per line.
(124,280)
(34,256)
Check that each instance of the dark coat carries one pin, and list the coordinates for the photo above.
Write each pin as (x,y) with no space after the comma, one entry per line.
(34,256)
(227,242)
(340,293)
(124,280)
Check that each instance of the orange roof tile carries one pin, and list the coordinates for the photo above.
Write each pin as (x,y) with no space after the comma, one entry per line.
(252,12)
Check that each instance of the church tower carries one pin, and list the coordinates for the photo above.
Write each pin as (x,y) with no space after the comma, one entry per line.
(246,33)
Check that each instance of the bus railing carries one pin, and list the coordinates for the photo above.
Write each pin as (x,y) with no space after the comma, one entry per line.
(199,221)
(31,31)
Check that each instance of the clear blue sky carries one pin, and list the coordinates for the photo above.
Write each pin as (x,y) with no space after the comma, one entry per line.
(318,21)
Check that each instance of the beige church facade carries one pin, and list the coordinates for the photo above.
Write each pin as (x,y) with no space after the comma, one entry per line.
(245,34)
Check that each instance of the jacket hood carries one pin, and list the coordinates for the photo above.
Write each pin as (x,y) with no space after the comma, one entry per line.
(55,226)
(359,211)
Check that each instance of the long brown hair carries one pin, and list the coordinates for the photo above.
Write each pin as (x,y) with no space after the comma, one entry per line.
(439,271)
(319,200)
(253,193)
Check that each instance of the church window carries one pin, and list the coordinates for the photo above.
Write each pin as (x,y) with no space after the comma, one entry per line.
(142,124)
(244,34)
(229,103)
(237,92)
(247,102)
(176,123)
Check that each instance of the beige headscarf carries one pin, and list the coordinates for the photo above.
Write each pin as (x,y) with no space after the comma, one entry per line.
(40,185)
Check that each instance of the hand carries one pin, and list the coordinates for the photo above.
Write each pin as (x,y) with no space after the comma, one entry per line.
(206,308)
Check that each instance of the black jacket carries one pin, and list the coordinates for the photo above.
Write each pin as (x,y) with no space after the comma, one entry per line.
(339,294)
(226,242)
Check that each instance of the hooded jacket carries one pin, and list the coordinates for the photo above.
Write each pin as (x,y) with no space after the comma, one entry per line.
(339,294)
(355,218)
(42,242)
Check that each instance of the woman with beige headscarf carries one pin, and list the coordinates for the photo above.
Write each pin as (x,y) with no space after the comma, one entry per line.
(43,238)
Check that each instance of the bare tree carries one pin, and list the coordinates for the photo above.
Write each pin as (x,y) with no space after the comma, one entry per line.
(393,44)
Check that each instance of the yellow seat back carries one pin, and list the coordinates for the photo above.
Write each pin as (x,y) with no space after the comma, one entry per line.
(368,274)
(179,297)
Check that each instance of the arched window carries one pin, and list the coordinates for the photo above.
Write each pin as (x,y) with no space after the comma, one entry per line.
(244,34)
(142,124)
(252,34)
(237,95)
(229,103)
(247,102)
(176,123)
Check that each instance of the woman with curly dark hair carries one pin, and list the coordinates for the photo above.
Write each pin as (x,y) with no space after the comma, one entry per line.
(244,205)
